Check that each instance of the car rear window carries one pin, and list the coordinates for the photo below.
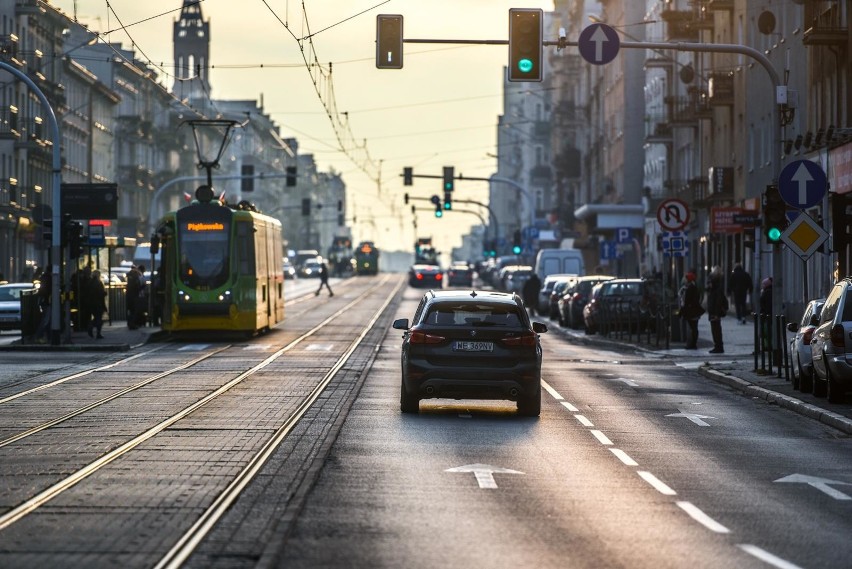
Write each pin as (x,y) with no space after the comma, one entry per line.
(10,293)
(470,314)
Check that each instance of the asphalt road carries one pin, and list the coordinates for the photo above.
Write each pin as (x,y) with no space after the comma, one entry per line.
(633,463)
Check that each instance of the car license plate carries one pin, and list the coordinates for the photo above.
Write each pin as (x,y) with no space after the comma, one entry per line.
(464,346)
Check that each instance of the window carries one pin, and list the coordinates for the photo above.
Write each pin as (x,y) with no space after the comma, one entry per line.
(471,314)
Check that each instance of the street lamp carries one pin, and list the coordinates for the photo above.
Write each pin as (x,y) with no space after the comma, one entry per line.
(211,138)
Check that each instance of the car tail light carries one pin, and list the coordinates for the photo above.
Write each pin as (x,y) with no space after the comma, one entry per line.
(418,337)
(836,336)
(808,335)
(419,276)
(439,276)
(525,340)
(576,296)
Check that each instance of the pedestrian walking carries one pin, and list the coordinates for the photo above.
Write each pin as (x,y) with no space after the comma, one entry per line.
(132,291)
(44,298)
(717,307)
(323,275)
(690,309)
(739,287)
(95,298)
(530,292)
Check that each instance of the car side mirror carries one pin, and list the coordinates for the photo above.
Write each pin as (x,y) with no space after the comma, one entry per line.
(539,328)
(401,324)
(793,326)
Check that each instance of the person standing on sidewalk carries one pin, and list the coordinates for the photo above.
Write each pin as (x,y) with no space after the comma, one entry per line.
(717,307)
(690,309)
(95,297)
(739,286)
(323,274)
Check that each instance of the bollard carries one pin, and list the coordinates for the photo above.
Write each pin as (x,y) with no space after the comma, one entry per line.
(756,325)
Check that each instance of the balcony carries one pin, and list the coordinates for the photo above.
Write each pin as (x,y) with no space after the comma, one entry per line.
(658,130)
(824,25)
(719,5)
(25,7)
(32,136)
(9,49)
(680,25)
(9,123)
(721,89)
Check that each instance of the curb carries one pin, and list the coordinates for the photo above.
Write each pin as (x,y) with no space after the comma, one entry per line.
(829,418)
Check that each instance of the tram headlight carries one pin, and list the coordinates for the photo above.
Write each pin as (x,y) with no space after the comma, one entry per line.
(225,296)
(183,296)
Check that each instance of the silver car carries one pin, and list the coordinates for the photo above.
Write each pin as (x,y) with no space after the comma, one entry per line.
(831,346)
(800,346)
(10,304)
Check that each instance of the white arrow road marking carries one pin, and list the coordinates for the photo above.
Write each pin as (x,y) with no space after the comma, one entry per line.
(319,347)
(257,347)
(821,484)
(599,37)
(802,177)
(484,473)
(694,417)
(629,382)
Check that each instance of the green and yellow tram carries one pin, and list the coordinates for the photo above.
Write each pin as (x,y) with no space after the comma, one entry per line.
(366,261)
(221,268)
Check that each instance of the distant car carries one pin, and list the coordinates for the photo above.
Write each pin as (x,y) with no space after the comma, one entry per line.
(514,277)
(575,298)
(310,268)
(592,310)
(543,306)
(800,346)
(476,344)
(460,274)
(831,348)
(10,304)
(425,276)
(289,270)
(558,290)
(627,304)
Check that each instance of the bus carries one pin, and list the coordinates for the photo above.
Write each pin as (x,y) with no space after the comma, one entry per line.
(221,269)
(366,259)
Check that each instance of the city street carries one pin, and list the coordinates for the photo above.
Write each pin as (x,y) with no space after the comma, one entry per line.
(638,460)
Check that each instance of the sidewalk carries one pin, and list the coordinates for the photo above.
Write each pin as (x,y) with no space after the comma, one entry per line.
(117,337)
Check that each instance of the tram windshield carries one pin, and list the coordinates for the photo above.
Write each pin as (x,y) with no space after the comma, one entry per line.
(203,251)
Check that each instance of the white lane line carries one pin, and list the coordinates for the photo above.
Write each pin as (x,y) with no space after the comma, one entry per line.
(602,438)
(624,457)
(584,421)
(570,407)
(656,483)
(767,557)
(550,390)
(696,514)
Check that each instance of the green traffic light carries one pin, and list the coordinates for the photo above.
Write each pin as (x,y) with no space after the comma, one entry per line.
(448,205)
(774,234)
(516,249)
(439,213)
(525,65)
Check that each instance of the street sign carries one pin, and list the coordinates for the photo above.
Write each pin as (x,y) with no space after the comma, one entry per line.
(598,44)
(675,244)
(622,235)
(802,184)
(804,236)
(90,201)
(673,214)
(608,250)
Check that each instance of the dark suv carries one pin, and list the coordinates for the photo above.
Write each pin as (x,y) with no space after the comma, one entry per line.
(831,347)
(476,344)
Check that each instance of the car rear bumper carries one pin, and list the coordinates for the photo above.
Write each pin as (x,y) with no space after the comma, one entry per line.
(841,370)
(472,383)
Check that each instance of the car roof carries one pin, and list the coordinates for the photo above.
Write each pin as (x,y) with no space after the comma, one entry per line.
(474,296)
(595,277)
(17,285)
(425,266)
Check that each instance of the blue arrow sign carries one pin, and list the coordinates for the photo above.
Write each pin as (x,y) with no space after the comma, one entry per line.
(598,44)
(802,184)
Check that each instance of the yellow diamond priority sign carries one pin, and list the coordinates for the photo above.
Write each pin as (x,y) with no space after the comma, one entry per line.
(804,236)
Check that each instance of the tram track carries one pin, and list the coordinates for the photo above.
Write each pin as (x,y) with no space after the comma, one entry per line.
(186,544)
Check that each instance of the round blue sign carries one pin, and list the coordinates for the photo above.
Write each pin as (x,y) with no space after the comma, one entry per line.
(802,184)
(598,44)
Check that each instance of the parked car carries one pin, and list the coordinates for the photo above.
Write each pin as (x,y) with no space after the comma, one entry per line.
(831,349)
(542,308)
(592,309)
(425,276)
(476,344)
(800,345)
(10,304)
(571,303)
(513,277)
(289,269)
(628,304)
(460,274)
(558,290)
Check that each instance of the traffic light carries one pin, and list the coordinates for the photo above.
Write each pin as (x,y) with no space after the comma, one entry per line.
(291,176)
(405,197)
(774,214)
(525,47)
(438,211)
(516,242)
(389,41)
(448,201)
(407,176)
(840,238)
(247,179)
(449,183)
(306,206)
(74,238)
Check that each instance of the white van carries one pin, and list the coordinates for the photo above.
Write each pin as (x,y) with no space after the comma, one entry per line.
(559,261)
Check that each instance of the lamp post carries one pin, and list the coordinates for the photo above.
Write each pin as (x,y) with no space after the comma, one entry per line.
(207,133)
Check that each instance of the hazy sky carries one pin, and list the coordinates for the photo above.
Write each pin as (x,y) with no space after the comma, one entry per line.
(440,110)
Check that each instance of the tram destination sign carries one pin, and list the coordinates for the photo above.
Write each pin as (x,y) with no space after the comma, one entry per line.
(90,201)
